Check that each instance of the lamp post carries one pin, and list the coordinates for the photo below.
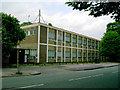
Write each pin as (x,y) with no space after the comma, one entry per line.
(18,47)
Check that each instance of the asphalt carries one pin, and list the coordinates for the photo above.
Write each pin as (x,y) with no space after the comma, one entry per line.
(49,69)
(65,79)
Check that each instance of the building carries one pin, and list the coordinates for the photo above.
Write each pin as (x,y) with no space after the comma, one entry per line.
(44,44)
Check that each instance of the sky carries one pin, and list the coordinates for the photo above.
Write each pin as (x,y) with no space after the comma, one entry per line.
(59,14)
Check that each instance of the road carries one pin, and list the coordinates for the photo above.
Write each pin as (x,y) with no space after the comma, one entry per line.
(98,78)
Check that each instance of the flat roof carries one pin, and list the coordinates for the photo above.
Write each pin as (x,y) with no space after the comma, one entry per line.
(53,27)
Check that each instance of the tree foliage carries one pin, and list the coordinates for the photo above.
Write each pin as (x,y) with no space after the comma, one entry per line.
(26,23)
(11,33)
(50,24)
(115,26)
(110,46)
(98,8)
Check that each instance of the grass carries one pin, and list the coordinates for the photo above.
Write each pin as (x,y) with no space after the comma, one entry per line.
(63,63)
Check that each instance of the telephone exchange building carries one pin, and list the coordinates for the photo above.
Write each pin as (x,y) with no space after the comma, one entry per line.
(44,44)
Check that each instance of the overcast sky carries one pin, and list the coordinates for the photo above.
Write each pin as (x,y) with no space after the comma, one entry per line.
(59,14)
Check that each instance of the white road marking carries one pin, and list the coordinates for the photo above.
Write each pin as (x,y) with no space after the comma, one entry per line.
(97,75)
(115,72)
(70,79)
(79,78)
(31,86)
(82,78)
(86,77)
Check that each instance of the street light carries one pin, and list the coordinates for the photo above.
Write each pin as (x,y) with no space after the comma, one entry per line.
(18,47)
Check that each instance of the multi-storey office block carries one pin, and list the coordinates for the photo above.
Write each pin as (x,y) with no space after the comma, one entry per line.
(45,44)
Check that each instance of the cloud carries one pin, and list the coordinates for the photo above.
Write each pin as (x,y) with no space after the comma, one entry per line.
(60,15)
(81,23)
(35,0)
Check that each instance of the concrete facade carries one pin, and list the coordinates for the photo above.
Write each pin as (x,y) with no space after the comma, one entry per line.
(51,44)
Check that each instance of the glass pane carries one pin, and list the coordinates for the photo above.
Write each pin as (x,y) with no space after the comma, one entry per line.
(59,54)
(26,33)
(84,42)
(74,54)
(51,53)
(51,36)
(26,51)
(35,32)
(92,44)
(88,43)
(79,41)
(59,37)
(68,38)
(89,55)
(67,54)
(92,54)
(31,32)
(74,40)
(84,54)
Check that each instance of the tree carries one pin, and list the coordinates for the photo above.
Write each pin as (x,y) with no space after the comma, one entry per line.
(50,24)
(98,8)
(110,46)
(11,33)
(26,23)
(115,26)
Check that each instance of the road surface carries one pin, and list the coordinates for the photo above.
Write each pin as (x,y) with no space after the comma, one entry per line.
(98,78)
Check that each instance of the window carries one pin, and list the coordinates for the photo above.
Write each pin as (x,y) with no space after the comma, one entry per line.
(92,44)
(84,42)
(96,45)
(79,55)
(59,37)
(67,54)
(67,39)
(73,55)
(96,55)
(26,51)
(27,33)
(31,32)
(92,54)
(79,42)
(88,43)
(84,55)
(51,36)
(74,40)
(51,54)
(89,55)
(33,54)
(59,54)
(34,32)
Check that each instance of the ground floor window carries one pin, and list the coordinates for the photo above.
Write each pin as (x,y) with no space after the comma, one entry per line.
(92,54)
(79,55)
(33,54)
(51,54)
(26,51)
(84,55)
(74,55)
(59,54)
(89,55)
(67,55)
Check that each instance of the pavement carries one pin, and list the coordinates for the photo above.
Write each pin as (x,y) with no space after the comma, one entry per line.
(28,70)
